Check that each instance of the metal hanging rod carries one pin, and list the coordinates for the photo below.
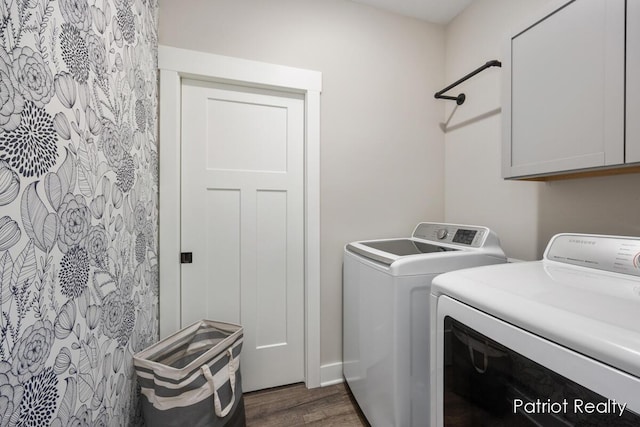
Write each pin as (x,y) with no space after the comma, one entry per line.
(460,98)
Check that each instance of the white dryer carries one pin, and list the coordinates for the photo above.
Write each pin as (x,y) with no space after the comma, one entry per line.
(554,342)
(386,315)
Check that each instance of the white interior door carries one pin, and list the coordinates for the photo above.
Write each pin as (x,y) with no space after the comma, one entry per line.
(242,183)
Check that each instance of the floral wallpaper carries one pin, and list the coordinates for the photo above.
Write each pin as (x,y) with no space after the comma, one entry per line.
(78,208)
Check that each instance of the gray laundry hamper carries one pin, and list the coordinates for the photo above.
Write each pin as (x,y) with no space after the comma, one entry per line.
(192,378)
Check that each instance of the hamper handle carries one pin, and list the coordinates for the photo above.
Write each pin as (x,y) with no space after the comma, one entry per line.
(220,411)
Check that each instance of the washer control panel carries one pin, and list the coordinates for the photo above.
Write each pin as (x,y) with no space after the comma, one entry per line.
(465,235)
(442,233)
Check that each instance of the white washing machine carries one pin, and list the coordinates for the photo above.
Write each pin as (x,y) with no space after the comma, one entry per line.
(554,342)
(386,315)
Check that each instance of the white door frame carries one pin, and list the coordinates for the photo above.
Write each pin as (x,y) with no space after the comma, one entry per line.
(175,64)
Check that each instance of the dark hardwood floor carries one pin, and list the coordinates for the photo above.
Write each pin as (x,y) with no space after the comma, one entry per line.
(295,405)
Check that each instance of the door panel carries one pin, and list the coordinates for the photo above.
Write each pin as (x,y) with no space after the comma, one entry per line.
(223,255)
(231,138)
(242,217)
(566,110)
(271,230)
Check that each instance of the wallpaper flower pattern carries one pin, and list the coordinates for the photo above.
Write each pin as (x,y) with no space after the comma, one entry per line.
(78,208)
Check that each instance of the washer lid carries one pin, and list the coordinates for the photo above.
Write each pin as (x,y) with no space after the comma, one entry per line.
(403,247)
(429,239)
(390,251)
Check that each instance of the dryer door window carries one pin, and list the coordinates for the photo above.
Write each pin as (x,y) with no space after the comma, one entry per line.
(486,383)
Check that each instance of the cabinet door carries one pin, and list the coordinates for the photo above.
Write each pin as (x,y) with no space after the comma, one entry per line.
(632,137)
(564,90)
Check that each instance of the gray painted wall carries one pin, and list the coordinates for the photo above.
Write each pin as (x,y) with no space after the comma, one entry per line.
(386,163)
(381,147)
(525,214)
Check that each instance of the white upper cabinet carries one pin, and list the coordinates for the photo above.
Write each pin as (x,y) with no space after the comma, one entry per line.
(632,137)
(564,90)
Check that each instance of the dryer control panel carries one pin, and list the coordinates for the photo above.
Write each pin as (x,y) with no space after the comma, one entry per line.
(618,254)
(464,235)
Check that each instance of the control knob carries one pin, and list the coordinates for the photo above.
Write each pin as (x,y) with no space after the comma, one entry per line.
(442,233)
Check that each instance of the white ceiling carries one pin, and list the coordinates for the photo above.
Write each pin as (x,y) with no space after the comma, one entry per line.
(436,11)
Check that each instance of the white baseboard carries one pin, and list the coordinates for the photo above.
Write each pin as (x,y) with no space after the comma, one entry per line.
(331,374)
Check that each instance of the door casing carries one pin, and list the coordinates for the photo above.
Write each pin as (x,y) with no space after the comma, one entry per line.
(175,64)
